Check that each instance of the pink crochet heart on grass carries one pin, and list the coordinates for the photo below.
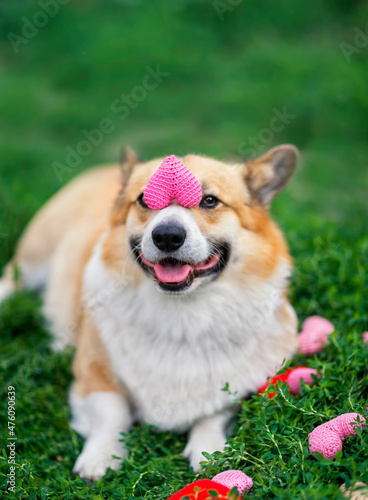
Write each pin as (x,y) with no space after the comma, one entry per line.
(299,374)
(172,181)
(328,437)
(231,478)
(314,334)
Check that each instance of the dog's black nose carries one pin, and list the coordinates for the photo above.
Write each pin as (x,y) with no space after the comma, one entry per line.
(168,237)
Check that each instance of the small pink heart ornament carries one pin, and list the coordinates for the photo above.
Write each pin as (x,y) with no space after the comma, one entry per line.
(231,478)
(299,374)
(314,334)
(327,438)
(172,181)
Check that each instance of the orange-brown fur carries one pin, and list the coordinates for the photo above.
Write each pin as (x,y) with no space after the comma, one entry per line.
(91,366)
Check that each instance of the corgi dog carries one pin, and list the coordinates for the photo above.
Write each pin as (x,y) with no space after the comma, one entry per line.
(166,308)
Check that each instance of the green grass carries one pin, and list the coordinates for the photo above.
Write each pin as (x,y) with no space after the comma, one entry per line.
(225,79)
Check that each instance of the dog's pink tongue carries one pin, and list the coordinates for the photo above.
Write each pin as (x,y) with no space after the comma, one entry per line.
(172,273)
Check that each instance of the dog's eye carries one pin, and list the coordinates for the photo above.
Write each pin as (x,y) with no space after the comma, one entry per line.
(141,201)
(209,201)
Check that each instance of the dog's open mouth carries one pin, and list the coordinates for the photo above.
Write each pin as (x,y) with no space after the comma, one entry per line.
(175,275)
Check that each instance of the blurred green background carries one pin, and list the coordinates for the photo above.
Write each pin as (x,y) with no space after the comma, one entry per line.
(230,69)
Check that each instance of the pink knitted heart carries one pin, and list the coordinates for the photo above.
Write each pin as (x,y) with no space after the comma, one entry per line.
(297,375)
(172,181)
(231,478)
(314,334)
(328,437)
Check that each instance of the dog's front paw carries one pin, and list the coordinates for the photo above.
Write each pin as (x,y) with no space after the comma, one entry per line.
(96,458)
(198,444)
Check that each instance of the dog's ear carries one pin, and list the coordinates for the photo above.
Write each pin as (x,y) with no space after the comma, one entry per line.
(268,175)
(128,161)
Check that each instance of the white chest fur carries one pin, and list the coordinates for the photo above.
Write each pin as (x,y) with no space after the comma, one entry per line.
(176,353)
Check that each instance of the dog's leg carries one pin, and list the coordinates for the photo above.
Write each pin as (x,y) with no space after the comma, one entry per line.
(100,408)
(104,415)
(209,435)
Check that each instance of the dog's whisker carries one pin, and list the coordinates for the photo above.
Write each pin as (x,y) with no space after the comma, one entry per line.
(126,260)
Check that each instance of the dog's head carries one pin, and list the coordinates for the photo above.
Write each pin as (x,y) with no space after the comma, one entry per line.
(229,233)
